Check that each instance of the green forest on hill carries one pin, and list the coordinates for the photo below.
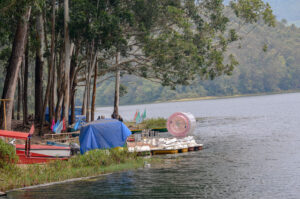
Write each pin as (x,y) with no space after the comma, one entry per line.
(268,62)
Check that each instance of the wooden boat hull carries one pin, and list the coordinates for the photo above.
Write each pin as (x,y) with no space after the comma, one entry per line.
(191,148)
(184,150)
(164,151)
(199,147)
(35,159)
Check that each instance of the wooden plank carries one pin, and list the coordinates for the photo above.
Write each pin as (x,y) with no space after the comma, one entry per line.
(61,134)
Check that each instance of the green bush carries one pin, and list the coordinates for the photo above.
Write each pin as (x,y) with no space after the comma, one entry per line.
(91,159)
(96,158)
(7,155)
(155,123)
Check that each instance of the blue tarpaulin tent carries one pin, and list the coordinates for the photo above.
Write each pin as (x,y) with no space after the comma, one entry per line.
(103,134)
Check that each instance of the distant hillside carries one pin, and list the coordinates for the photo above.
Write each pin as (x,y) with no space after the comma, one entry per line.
(277,69)
(285,9)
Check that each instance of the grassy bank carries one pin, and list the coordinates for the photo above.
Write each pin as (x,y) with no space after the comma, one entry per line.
(91,164)
(148,124)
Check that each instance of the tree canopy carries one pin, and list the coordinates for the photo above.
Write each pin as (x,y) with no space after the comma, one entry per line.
(172,42)
(275,70)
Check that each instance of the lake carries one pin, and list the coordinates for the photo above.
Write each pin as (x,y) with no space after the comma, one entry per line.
(251,150)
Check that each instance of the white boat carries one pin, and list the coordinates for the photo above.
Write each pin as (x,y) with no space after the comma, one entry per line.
(46,150)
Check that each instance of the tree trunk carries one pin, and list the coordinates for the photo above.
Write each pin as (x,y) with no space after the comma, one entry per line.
(83,108)
(73,106)
(19,99)
(52,62)
(67,62)
(73,83)
(13,112)
(94,94)
(115,114)
(59,85)
(50,69)
(87,83)
(54,86)
(40,37)
(14,65)
(25,87)
(91,65)
(88,99)
(58,107)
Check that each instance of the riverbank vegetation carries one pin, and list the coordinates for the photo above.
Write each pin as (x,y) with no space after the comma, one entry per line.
(148,124)
(49,49)
(92,163)
(155,123)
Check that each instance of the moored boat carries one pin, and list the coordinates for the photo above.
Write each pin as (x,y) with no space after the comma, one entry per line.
(30,154)
(183,150)
(46,150)
(164,151)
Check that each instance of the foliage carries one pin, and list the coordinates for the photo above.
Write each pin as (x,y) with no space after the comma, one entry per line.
(154,123)
(93,163)
(8,157)
(275,70)
(172,42)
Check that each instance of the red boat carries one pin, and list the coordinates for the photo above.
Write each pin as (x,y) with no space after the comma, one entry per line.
(31,154)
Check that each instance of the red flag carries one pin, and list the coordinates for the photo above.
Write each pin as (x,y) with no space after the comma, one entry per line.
(136,113)
(53,123)
(31,130)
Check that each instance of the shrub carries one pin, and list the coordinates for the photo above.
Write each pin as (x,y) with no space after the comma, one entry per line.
(7,155)
(97,157)
(155,123)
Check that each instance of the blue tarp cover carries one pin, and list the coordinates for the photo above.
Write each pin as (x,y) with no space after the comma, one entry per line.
(103,134)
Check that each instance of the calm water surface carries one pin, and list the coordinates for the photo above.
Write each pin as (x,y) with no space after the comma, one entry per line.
(252,150)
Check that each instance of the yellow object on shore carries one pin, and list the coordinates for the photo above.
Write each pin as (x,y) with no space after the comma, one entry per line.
(184,150)
(164,151)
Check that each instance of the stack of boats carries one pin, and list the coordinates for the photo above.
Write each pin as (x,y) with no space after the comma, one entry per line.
(180,125)
(165,145)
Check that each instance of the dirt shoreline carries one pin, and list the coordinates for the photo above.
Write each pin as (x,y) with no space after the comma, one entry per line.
(226,97)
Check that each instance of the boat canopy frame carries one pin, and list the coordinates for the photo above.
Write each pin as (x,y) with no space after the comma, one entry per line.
(20,136)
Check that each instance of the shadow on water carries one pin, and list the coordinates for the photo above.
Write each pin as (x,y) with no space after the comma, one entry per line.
(255,156)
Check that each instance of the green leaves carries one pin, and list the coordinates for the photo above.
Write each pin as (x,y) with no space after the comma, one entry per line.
(253,10)
(8,155)
(172,41)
